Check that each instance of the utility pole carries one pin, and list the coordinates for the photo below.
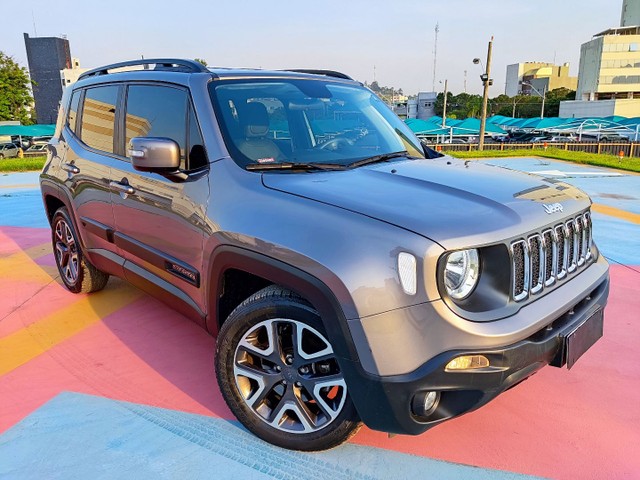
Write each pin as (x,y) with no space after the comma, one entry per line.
(435,56)
(444,109)
(544,96)
(465,81)
(486,80)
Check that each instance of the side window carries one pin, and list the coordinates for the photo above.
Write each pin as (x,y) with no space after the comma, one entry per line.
(155,111)
(73,110)
(98,117)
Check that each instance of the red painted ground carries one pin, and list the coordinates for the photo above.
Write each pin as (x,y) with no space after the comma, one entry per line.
(568,425)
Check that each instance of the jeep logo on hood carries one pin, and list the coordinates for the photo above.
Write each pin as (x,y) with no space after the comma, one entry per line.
(552,207)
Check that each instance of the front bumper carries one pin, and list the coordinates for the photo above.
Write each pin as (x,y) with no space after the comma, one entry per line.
(384,402)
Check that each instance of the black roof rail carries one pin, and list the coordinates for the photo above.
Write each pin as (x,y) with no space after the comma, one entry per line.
(174,64)
(327,73)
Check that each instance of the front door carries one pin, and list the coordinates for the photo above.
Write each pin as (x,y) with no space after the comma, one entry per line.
(160,221)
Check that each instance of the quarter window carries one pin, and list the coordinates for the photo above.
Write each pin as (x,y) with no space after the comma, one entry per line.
(98,117)
(73,110)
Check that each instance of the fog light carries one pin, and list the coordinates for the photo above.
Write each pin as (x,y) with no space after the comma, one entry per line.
(467,362)
(424,403)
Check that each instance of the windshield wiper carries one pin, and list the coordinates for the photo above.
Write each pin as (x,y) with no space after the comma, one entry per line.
(294,166)
(379,158)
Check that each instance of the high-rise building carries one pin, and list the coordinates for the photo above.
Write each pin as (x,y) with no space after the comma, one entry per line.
(46,57)
(630,13)
(543,77)
(609,73)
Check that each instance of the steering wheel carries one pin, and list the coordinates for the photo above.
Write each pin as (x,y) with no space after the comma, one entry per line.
(334,143)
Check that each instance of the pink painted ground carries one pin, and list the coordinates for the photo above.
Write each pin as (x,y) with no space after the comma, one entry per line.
(579,424)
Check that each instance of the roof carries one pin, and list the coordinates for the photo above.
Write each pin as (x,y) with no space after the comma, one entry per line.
(177,65)
(633,30)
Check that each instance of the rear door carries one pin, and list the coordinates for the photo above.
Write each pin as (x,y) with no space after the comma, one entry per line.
(160,220)
(86,152)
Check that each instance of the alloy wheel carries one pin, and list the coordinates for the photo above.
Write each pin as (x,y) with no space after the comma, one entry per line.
(66,251)
(287,374)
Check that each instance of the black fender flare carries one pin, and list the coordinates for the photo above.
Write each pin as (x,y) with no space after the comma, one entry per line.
(334,313)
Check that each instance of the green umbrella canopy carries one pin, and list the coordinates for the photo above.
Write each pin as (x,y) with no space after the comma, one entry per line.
(471,126)
(28,130)
(425,127)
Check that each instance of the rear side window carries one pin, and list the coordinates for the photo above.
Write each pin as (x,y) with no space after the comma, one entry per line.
(155,111)
(98,117)
(73,110)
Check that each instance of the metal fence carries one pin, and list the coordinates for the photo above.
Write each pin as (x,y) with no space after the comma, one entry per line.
(627,149)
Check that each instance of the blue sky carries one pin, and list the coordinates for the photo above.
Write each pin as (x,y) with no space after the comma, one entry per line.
(349,35)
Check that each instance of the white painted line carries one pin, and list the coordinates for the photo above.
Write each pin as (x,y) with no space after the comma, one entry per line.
(598,173)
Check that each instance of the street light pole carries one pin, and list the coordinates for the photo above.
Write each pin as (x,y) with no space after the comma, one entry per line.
(485,96)
(444,109)
(543,95)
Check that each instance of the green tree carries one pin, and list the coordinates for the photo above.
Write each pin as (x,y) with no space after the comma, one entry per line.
(463,105)
(554,97)
(202,61)
(15,91)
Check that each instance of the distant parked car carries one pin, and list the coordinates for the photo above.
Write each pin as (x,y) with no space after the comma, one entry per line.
(540,139)
(37,147)
(8,150)
(614,138)
(563,138)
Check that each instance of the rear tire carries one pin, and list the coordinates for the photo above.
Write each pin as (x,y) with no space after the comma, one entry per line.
(279,376)
(77,273)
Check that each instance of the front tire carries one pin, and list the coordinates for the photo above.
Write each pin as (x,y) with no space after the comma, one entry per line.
(279,375)
(77,273)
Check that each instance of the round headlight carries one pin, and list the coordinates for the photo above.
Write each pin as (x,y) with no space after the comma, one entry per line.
(461,273)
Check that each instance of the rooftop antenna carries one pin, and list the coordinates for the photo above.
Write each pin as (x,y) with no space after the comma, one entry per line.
(435,57)
(33,17)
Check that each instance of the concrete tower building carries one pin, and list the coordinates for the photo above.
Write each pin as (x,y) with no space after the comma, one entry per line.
(609,73)
(46,57)
(630,13)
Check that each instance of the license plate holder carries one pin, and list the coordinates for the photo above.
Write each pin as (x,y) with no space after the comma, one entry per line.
(583,337)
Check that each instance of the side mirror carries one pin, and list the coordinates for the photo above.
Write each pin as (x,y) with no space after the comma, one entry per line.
(154,154)
(430,152)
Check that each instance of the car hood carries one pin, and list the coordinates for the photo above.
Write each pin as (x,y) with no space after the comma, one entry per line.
(453,202)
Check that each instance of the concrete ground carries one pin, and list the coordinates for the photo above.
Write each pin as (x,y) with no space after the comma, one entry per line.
(116,385)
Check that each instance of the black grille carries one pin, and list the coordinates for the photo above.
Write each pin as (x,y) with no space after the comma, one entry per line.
(549,256)
(536,254)
(549,248)
(579,241)
(519,269)
(571,246)
(561,242)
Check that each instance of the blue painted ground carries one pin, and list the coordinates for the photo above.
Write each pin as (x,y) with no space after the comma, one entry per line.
(618,240)
(82,436)
(20,201)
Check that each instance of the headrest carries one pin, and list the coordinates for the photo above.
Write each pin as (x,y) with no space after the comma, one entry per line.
(255,120)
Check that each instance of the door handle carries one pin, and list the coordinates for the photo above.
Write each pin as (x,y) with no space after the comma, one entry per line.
(122,187)
(71,168)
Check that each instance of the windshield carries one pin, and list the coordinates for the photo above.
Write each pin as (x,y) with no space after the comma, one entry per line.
(276,121)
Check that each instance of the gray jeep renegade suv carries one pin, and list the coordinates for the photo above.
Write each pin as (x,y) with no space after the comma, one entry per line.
(349,274)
